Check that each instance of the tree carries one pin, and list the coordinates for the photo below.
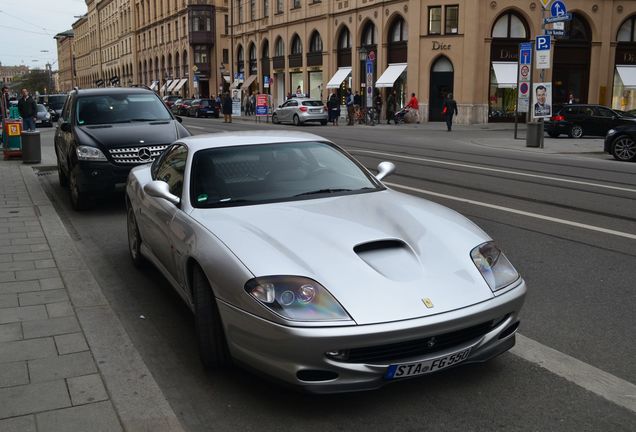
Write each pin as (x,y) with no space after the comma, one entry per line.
(35,80)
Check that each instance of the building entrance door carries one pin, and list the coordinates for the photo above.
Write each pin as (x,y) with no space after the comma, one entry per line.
(442,78)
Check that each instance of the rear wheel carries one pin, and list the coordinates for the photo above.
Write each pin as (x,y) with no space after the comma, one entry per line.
(212,343)
(624,149)
(134,239)
(576,131)
(296,120)
(79,198)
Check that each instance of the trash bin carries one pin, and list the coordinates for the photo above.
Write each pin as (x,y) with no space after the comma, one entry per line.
(31,147)
(534,134)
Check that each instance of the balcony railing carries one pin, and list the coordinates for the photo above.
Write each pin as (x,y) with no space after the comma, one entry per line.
(314,59)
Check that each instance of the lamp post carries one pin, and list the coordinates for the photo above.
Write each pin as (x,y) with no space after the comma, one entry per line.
(364,52)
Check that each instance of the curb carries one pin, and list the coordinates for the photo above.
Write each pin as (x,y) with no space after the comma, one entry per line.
(135,395)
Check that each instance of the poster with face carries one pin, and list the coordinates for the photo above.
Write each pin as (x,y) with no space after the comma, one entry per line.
(542,95)
(236,102)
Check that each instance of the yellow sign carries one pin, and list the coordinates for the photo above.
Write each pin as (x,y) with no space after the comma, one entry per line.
(545,3)
(13,129)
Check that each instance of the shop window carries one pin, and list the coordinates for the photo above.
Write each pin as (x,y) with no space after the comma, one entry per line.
(451,17)
(434,20)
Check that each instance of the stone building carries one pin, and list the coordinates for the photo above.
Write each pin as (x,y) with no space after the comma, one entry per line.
(117,49)
(432,48)
(8,74)
(82,54)
(66,79)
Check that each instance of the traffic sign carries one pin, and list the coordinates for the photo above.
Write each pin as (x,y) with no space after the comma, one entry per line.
(523,88)
(525,70)
(543,43)
(542,46)
(525,57)
(552,32)
(558,8)
(566,17)
(545,3)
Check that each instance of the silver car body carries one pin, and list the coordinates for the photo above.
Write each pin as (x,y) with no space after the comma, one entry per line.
(384,291)
(301,110)
(43,116)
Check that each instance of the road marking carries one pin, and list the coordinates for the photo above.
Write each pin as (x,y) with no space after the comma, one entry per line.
(196,127)
(497,170)
(606,385)
(519,212)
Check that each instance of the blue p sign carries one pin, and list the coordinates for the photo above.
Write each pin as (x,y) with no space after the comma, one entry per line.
(543,43)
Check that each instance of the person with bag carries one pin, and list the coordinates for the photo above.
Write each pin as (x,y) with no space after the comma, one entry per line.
(349,103)
(449,108)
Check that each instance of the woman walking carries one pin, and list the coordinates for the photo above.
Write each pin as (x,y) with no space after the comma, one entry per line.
(227,108)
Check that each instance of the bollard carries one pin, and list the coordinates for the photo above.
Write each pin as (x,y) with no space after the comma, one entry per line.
(534,134)
(31,147)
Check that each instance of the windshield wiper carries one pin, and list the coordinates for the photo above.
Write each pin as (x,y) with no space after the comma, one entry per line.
(321,191)
(141,119)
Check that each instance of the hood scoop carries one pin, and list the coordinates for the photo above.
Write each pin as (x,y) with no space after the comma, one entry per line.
(391,258)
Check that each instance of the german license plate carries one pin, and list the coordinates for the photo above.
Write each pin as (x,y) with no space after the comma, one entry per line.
(420,368)
(316,110)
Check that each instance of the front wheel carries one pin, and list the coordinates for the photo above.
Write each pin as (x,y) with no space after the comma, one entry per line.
(61,175)
(79,198)
(624,149)
(297,120)
(576,131)
(212,343)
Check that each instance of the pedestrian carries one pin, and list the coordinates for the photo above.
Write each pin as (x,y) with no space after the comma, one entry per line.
(449,109)
(391,105)
(252,104)
(333,107)
(299,92)
(349,103)
(246,101)
(5,104)
(414,106)
(28,110)
(571,99)
(227,108)
(378,104)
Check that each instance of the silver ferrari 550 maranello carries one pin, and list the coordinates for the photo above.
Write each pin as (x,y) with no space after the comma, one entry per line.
(299,263)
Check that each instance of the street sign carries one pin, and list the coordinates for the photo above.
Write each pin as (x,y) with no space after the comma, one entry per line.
(558,8)
(552,32)
(545,3)
(543,43)
(566,17)
(543,48)
(525,56)
(369,83)
(265,81)
(525,70)
(523,76)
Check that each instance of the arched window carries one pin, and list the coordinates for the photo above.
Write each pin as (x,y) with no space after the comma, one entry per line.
(240,59)
(279,49)
(344,40)
(368,34)
(265,49)
(442,64)
(315,43)
(185,69)
(578,29)
(297,45)
(177,66)
(398,31)
(509,26)
(626,31)
(252,54)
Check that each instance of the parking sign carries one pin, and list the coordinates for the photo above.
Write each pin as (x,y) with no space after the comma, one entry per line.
(543,47)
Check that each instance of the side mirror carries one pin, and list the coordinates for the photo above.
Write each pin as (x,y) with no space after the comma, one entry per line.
(280,106)
(160,189)
(179,119)
(65,126)
(385,169)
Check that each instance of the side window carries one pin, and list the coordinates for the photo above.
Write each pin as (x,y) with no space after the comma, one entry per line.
(588,111)
(66,111)
(570,110)
(171,168)
(604,112)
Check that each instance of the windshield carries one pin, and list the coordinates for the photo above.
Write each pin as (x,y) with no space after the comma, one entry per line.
(56,102)
(274,172)
(120,108)
(41,108)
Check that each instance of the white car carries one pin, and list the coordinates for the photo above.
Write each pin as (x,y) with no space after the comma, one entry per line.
(297,261)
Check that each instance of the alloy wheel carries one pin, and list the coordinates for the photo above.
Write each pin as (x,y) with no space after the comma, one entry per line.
(624,149)
(576,131)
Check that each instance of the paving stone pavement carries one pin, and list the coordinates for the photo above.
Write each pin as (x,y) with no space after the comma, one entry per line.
(52,318)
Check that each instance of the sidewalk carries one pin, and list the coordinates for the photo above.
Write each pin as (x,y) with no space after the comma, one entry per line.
(66,362)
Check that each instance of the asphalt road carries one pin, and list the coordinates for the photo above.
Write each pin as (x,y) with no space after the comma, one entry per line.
(567,222)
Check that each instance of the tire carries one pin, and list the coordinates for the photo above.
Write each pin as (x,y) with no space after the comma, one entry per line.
(323,122)
(61,175)
(553,134)
(210,334)
(576,131)
(297,120)
(134,238)
(624,149)
(196,113)
(79,199)
(275,119)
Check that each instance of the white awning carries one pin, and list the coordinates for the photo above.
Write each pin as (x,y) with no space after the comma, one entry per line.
(628,75)
(340,75)
(180,84)
(226,78)
(248,82)
(153,86)
(505,74)
(390,75)
(165,85)
(173,84)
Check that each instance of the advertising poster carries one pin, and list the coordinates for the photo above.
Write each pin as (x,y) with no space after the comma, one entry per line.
(261,105)
(236,102)
(542,96)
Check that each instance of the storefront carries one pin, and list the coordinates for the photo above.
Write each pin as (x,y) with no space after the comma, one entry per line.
(624,88)
(316,86)
(442,80)
(571,62)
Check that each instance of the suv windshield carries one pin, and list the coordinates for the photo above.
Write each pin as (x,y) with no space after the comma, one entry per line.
(120,108)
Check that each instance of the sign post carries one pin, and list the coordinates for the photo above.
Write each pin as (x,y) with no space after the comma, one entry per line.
(524,81)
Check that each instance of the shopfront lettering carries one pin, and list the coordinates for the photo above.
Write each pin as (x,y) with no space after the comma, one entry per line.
(440,46)
(505,54)
(629,58)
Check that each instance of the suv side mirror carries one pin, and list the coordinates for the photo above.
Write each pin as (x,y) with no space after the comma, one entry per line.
(160,189)
(65,126)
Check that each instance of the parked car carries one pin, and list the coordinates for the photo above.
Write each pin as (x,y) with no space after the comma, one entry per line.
(169,100)
(301,110)
(54,104)
(299,262)
(181,107)
(43,116)
(203,108)
(620,142)
(577,120)
(105,132)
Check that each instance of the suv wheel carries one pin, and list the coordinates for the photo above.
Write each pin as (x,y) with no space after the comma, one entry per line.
(624,149)
(61,175)
(79,199)
(576,131)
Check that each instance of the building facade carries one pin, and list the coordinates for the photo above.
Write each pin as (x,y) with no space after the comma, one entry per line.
(82,54)
(432,48)
(65,72)
(8,74)
(117,41)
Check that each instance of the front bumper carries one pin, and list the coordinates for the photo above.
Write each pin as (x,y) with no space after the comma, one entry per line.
(297,355)
(100,176)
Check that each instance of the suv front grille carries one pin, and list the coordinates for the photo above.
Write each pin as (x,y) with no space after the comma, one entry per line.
(136,155)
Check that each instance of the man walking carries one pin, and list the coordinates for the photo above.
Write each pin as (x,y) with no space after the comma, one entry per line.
(390,107)
(349,103)
(28,110)
(449,108)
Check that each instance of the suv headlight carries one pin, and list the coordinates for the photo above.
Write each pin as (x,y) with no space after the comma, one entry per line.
(296,298)
(89,153)
(494,266)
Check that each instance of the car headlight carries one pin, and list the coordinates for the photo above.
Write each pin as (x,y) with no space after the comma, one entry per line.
(89,153)
(494,266)
(296,298)
(611,132)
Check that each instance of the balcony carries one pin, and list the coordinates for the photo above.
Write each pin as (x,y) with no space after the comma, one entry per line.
(278,62)
(314,59)
(295,60)
(201,25)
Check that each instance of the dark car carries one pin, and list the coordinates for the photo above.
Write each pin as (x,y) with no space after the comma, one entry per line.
(620,142)
(203,108)
(181,107)
(105,132)
(576,120)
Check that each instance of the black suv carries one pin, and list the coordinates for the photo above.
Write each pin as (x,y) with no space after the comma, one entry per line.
(577,120)
(105,132)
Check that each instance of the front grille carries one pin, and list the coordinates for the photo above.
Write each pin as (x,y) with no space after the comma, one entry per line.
(418,347)
(131,155)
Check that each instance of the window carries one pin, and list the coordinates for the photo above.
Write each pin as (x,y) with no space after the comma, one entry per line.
(316,43)
(344,42)
(201,54)
(434,20)
(368,35)
(604,112)
(297,46)
(451,16)
(200,21)
(265,8)
(296,4)
(626,32)
(279,50)
(399,31)
(171,168)
(240,10)
(226,25)
(252,9)
(509,26)
(279,6)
